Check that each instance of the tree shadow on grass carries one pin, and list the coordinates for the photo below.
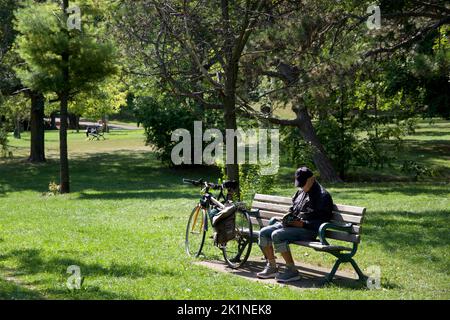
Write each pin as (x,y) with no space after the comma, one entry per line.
(424,234)
(31,262)
(103,172)
(429,133)
(151,195)
(10,290)
(411,189)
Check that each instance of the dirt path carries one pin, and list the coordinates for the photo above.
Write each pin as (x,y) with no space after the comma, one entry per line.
(112,126)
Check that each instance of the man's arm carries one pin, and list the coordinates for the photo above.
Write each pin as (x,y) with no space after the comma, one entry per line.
(322,213)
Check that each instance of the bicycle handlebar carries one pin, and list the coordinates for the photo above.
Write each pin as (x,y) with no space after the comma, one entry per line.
(202,182)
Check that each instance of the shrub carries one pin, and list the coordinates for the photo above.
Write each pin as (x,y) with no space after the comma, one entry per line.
(416,169)
(250,180)
(160,117)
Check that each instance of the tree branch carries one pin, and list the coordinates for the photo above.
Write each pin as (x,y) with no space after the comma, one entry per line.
(419,35)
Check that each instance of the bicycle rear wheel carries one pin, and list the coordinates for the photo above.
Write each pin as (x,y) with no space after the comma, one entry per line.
(196,231)
(237,251)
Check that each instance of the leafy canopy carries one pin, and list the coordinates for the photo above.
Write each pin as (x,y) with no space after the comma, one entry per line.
(43,39)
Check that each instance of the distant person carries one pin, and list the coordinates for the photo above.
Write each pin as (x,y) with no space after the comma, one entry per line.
(311,206)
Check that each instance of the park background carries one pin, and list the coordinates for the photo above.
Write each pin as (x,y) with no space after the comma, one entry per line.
(366,109)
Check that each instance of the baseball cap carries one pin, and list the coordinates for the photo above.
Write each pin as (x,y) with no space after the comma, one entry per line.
(301,175)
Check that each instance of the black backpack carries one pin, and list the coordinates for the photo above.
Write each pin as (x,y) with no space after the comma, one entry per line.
(224,225)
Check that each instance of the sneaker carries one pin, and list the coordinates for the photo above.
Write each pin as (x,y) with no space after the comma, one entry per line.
(268,272)
(291,274)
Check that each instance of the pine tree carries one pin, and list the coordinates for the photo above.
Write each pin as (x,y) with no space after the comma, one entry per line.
(60,61)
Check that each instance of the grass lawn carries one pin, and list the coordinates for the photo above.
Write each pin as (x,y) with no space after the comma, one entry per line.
(124,222)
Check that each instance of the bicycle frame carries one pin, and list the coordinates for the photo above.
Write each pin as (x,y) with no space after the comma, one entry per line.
(205,204)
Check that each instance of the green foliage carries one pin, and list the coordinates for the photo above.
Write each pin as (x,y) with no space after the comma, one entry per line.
(53,189)
(417,170)
(15,108)
(160,117)
(8,81)
(299,153)
(128,111)
(339,139)
(251,181)
(105,99)
(42,40)
(423,77)
(161,114)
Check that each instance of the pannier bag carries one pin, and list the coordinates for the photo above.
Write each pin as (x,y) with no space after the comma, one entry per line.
(224,225)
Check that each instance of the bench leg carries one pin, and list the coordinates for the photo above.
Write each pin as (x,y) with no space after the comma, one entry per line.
(330,276)
(361,275)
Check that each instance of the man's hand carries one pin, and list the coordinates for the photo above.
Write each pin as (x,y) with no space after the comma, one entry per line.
(288,221)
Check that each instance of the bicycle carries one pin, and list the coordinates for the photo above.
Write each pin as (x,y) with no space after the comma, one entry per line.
(235,251)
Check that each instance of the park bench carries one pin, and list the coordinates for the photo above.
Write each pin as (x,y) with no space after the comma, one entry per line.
(95,133)
(344,226)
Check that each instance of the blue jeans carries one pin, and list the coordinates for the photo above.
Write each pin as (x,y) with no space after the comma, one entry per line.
(281,236)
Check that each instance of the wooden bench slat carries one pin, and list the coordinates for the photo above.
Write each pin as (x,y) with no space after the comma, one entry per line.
(356,229)
(337,218)
(273,199)
(322,247)
(340,217)
(349,209)
(343,236)
(270,207)
(331,234)
(288,201)
(269,214)
(264,221)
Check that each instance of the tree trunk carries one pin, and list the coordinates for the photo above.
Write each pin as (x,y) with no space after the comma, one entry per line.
(320,158)
(77,123)
(64,99)
(105,124)
(230,123)
(72,120)
(17,129)
(53,121)
(37,150)
(63,154)
(229,96)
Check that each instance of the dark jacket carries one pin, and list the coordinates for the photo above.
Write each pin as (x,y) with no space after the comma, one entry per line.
(313,207)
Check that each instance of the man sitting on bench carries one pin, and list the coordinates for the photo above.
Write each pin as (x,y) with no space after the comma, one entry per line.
(311,206)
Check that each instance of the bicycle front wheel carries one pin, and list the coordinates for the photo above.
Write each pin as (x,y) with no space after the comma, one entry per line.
(196,231)
(237,250)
